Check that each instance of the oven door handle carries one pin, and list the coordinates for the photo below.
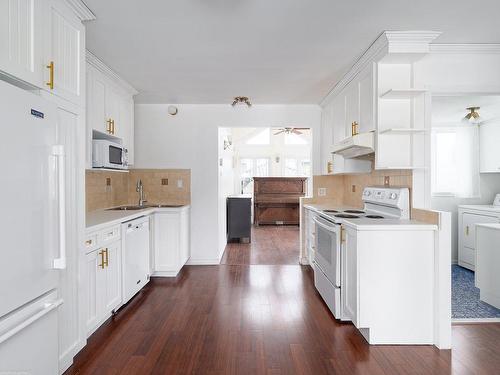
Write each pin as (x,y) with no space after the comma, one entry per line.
(331,228)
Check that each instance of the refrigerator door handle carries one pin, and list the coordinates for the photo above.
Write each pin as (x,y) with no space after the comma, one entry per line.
(58,152)
(47,307)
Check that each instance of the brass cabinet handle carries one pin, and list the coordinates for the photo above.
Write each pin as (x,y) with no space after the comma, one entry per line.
(107,257)
(108,126)
(342,235)
(354,128)
(51,75)
(102,265)
(113,127)
(467,230)
(88,242)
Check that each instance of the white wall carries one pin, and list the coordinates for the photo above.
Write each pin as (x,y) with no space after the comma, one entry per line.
(190,140)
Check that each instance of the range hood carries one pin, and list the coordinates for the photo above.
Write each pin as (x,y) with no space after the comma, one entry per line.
(355,146)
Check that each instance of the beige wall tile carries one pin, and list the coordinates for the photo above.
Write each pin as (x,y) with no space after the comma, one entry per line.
(122,189)
(339,187)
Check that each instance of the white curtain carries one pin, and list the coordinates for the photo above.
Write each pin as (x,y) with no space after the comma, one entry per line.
(455,161)
(467,157)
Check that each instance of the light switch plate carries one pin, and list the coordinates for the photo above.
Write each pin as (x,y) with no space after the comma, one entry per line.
(321,192)
(387,181)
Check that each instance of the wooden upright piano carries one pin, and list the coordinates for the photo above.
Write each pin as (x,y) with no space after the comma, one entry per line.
(276,199)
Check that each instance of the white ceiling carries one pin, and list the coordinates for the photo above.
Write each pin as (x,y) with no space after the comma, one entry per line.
(274,51)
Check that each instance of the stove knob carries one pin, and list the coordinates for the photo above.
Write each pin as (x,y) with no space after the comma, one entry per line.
(393,196)
(367,193)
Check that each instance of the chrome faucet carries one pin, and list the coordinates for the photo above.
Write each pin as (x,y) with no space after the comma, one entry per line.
(140,189)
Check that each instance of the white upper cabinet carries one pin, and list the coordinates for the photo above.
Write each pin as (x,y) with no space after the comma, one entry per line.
(21,40)
(367,100)
(489,139)
(63,52)
(110,106)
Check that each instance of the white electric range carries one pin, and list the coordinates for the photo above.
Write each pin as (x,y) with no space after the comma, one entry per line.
(381,206)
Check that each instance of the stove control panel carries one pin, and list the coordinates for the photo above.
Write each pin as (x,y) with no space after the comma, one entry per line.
(397,199)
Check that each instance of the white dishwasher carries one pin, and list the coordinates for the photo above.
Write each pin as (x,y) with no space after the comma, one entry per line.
(135,271)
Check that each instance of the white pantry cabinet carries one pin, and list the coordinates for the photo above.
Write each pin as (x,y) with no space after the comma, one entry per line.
(489,139)
(468,217)
(171,240)
(21,40)
(103,280)
(110,106)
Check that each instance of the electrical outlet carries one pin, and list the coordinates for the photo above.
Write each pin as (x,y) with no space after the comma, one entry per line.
(321,192)
(164,181)
(387,181)
(353,188)
(180,184)
(107,187)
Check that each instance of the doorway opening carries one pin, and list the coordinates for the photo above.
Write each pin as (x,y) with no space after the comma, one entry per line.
(465,179)
(263,171)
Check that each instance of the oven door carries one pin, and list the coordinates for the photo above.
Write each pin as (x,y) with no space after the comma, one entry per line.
(327,254)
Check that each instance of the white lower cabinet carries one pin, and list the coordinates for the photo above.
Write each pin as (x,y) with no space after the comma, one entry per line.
(171,241)
(350,276)
(104,291)
(387,286)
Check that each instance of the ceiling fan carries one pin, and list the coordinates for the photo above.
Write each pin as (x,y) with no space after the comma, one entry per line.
(290,131)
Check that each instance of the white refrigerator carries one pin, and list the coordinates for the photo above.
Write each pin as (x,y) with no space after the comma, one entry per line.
(32,232)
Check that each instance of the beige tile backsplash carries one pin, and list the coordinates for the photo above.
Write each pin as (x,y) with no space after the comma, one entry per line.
(122,187)
(346,189)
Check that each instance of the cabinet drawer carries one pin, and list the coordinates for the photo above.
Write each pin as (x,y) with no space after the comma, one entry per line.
(110,234)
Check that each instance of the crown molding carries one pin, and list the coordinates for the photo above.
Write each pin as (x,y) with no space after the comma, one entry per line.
(103,68)
(465,48)
(82,10)
(393,46)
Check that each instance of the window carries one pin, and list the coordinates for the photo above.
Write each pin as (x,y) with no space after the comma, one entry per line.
(249,168)
(455,161)
(297,167)
(263,137)
(295,139)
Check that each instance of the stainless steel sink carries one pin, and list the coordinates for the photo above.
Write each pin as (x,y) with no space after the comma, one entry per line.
(127,208)
(166,205)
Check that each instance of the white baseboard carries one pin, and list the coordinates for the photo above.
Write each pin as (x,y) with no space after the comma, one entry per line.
(203,262)
(165,273)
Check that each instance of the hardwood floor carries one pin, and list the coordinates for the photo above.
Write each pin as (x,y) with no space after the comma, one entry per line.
(270,245)
(260,320)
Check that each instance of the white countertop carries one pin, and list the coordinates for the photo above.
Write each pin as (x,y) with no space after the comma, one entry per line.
(99,219)
(481,207)
(374,224)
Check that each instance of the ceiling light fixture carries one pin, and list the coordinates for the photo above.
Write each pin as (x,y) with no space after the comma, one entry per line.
(241,100)
(473,115)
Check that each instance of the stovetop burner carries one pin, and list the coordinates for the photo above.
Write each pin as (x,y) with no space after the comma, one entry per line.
(347,216)
(354,211)
(330,211)
(374,217)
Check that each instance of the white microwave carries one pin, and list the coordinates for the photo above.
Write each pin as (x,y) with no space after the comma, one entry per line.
(107,154)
